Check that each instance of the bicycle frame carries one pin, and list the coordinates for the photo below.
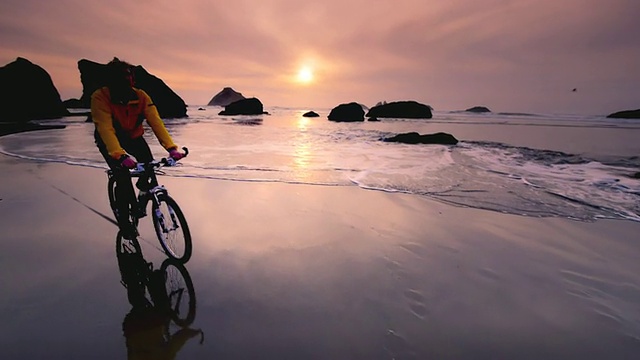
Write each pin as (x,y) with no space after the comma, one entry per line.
(150,170)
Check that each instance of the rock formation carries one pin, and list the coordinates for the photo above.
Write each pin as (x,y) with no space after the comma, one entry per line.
(250,106)
(402,110)
(626,114)
(225,97)
(169,104)
(347,112)
(310,114)
(27,93)
(415,138)
(478,109)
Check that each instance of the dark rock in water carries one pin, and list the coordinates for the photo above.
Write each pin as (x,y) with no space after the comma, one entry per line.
(93,76)
(478,109)
(202,109)
(250,106)
(225,97)
(402,110)
(310,114)
(415,138)
(28,93)
(73,104)
(636,175)
(374,119)
(626,114)
(347,112)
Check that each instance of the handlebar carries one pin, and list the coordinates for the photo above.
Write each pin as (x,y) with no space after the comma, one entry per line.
(141,168)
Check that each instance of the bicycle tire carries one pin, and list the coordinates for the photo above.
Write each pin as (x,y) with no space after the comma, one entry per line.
(177,280)
(111,192)
(172,229)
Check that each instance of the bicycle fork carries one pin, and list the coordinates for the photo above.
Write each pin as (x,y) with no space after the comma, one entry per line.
(160,216)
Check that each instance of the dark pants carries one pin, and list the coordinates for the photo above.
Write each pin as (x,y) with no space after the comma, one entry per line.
(125,195)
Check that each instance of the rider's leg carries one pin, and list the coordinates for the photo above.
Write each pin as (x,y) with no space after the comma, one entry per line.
(124,194)
(139,148)
(125,197)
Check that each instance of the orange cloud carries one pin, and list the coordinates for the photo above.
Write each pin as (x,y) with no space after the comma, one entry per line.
(448,54)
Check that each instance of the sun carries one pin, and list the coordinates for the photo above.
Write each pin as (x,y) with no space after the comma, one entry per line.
(305,75)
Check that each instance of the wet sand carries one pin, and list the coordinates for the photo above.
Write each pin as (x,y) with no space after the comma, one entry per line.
(314,272)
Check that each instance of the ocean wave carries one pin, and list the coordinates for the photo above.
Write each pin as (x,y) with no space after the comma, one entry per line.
(484,174)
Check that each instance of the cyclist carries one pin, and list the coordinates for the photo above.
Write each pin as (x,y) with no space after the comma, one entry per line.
(118,110)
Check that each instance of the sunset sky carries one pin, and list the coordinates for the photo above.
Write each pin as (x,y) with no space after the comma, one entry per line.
(509,55)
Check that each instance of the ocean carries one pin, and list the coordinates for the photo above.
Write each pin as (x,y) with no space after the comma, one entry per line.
(539,165)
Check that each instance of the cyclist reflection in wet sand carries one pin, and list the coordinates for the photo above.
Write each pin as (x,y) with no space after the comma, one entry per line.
(146,326)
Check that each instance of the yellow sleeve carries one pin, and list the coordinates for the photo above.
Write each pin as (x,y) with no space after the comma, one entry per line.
(102,118)
(153,119)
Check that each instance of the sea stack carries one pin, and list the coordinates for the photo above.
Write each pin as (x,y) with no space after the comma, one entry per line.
(225,97)
(250,106)
(347,112)
(28,93)
(93,76)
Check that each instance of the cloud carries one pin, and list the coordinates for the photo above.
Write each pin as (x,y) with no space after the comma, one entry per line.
(450,54)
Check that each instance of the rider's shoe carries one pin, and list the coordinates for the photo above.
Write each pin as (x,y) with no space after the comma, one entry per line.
(141,210)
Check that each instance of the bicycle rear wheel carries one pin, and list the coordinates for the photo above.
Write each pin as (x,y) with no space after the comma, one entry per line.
(172,229)
(180,292)
(111,192)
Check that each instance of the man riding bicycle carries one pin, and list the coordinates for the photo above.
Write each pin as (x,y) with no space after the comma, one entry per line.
(118,110)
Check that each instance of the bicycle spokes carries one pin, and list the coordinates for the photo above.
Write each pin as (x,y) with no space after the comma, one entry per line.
(171,228)
(180,292)
(174,220)
(175,298)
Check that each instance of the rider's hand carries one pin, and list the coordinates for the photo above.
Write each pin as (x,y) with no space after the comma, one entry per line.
(127,162)
(175,154)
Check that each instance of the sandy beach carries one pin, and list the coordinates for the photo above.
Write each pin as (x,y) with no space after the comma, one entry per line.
(287,271)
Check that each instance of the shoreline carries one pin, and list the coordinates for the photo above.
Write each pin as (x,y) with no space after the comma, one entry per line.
(14,127)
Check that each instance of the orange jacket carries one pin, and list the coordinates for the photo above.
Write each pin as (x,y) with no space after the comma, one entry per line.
(108,116)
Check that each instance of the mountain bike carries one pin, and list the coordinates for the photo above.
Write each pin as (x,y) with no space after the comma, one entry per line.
(168,219)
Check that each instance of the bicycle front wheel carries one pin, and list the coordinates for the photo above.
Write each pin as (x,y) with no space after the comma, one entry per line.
(172,229)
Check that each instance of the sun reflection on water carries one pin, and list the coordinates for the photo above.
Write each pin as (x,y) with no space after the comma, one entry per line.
(302,150)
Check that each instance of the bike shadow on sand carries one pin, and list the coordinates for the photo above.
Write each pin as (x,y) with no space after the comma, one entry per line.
(163,304)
